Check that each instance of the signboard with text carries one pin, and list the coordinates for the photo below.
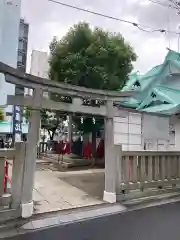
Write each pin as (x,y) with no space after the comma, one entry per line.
(17,126)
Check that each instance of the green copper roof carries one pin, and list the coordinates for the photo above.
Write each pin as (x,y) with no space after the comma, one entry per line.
(158,89)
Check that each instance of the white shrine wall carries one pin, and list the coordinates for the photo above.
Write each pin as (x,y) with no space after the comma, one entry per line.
(175,125)
(155,131)
(128,131)
(141,131)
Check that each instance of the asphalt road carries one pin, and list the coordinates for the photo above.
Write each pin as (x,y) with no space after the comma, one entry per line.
(155,223)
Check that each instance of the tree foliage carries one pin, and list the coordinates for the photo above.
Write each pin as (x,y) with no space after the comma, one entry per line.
(91,58)
(50,120)
(1,115)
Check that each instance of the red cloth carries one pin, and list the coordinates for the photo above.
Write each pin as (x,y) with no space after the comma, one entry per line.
(87,150)
(6,177)
(63,148)
(100,149)
(60,148)
(67,149)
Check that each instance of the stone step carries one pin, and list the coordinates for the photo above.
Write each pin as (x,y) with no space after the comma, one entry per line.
(7,214)
(149,201)
(5,199)
(13,225)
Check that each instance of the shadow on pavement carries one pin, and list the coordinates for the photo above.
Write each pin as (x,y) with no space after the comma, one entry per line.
(91,183)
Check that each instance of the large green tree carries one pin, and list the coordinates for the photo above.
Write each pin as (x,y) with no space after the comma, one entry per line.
(91,58)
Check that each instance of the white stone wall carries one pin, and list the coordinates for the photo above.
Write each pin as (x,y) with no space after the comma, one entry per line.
(128,131)
(155,130)
(139,131)
(176,128)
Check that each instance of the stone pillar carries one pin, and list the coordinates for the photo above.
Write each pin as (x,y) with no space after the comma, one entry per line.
(31,156)
(118,171)
(18,174)
(110,157)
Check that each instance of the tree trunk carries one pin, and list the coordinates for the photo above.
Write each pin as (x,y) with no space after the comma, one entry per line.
(51,137)
(51,134)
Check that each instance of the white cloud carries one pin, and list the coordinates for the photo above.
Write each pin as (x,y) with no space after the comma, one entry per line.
(47,20)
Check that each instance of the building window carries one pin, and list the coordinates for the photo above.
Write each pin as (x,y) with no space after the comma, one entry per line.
(20,58)
(24,45)
(8,113)
(21,31)
(9,3)
(26,30)
(20,45)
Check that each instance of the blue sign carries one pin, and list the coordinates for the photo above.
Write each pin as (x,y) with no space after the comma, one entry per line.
(17,125)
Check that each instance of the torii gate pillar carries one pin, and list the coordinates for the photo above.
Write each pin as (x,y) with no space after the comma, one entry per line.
(110,157)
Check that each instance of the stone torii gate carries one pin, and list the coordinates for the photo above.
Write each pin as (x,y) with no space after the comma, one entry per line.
(37,102)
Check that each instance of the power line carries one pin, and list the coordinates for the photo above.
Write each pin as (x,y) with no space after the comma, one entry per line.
(175,3)
(139,26)
(92,12)
(164,4)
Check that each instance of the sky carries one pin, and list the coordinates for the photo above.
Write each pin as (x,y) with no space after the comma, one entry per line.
(48,19)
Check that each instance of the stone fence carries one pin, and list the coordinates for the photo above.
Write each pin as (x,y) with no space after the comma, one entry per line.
(139,171)
(11,202)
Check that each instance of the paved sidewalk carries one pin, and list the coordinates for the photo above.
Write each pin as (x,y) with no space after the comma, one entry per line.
(56,190)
